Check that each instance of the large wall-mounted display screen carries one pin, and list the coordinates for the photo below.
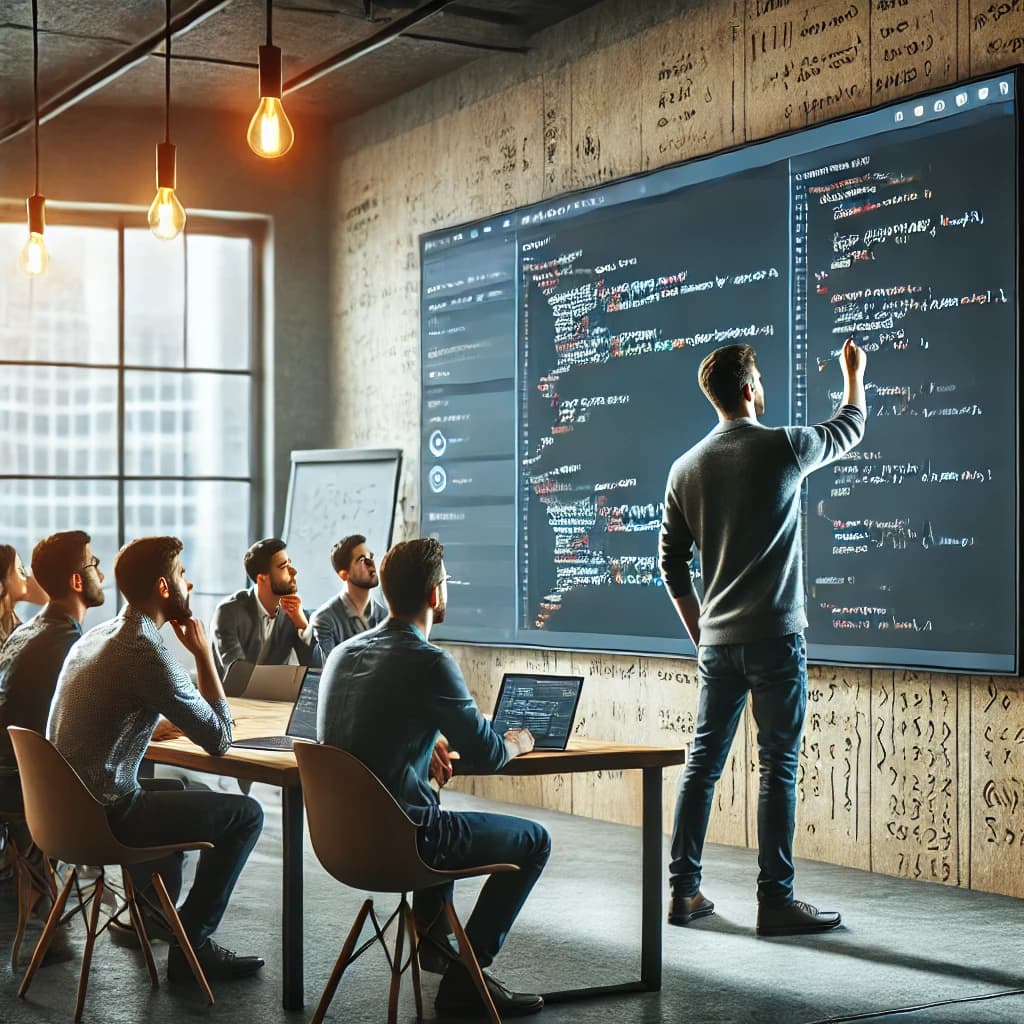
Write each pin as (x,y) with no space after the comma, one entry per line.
(560,346)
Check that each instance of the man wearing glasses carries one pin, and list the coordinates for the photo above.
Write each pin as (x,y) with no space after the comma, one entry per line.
(32,658)
(353,611)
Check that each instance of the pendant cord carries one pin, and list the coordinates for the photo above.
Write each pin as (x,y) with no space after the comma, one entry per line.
(167,74)
(35,84)
(270,22)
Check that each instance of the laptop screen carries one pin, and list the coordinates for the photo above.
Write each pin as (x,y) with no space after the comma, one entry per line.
(546,705)
(302,724)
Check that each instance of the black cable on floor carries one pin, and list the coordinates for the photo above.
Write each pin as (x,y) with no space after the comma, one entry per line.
(874,1014)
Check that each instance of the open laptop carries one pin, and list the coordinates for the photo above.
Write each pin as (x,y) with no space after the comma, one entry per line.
(264,682)
(301,723)
(546,705)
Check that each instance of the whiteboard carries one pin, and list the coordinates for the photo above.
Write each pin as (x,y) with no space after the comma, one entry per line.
(333,492)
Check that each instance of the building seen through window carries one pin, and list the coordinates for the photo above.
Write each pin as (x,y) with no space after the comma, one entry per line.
(127,396)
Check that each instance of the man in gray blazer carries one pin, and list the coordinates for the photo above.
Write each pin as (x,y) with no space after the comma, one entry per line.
(266,625)
(353,611)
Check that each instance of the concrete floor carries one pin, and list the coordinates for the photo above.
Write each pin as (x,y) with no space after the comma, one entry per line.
(903,945)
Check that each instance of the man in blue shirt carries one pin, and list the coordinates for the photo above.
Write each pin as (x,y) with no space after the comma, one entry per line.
(386,696)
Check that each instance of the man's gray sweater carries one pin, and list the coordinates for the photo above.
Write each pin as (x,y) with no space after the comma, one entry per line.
(735,495)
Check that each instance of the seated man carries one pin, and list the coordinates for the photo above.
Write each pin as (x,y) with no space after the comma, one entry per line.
(116,683)
(385,696)
(353,611)
(32,658)
(266,625)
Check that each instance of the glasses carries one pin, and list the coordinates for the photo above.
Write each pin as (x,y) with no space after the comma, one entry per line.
(94,564)
(366,559)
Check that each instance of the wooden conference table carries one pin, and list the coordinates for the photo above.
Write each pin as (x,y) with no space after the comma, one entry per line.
(278,768)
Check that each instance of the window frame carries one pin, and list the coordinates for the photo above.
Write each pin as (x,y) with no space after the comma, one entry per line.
(253,229)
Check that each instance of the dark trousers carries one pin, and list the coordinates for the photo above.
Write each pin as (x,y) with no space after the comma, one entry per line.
(164,813)
(462,840)
(774,672)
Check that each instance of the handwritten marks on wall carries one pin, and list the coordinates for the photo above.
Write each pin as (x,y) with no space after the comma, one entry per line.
(997,785)
(996,33)
(913,46)
(914,758)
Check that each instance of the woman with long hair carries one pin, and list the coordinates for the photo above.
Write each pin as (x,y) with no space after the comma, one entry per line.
(16,584)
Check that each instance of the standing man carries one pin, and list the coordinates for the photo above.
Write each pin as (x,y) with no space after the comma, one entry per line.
(735,497)
(353,611)
(385,697)
(266,625)
(116,683)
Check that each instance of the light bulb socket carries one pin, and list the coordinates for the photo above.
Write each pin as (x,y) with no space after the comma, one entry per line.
(166,172)
(36,205)
(271,74)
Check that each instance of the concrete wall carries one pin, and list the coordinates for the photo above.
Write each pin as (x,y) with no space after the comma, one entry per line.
(912,774)
(96,155)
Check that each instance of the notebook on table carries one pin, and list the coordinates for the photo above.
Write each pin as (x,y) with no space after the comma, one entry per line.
(546,705)
(301,722)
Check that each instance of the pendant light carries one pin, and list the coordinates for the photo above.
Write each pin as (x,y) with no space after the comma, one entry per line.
(166,214)
(270,133)
(34,259)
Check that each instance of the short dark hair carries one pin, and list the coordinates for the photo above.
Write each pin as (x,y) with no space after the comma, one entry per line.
(409,571)
(341,553)
(257,559)
(56,558)
(140,563)
(723,373)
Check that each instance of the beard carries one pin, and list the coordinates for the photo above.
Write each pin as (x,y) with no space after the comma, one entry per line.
(365,580)
(93,594)
(178,606)
(759,403)
(283,589)
(439,612)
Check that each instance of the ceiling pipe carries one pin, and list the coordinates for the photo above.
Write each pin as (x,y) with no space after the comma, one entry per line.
(105,74)
(374,42)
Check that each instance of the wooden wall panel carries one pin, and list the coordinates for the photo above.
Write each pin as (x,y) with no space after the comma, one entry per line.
(691,86)
(833,784)
(913,46)
(915,827)
(804,62)
(997,785)
(605,117)
(910,774)
(996,32)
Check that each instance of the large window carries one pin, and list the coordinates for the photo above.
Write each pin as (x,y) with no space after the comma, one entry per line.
(128,404)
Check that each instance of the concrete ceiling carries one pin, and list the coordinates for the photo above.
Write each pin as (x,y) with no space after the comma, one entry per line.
(214,53)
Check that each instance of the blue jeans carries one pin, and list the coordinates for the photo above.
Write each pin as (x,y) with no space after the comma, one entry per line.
(775,673)
(465,839)
(163,813)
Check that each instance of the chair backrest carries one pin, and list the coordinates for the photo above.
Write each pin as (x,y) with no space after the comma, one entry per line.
(359,832)
(66,821)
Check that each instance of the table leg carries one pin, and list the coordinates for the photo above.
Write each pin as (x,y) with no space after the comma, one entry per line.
(650,926)
(650,905)
(293,988)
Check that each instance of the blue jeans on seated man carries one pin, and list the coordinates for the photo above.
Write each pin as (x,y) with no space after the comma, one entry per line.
(163,812)
(775,674)
(455,839)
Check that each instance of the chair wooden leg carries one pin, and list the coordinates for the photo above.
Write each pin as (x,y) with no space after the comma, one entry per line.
(139,925)
(342,963)
(414,959)
(396,965)
(90,940)
(171,913)
(23,881)
(469,961)
(44,940)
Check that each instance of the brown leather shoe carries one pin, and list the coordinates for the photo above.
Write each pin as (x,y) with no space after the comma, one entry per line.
(684,909)
(798,918)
